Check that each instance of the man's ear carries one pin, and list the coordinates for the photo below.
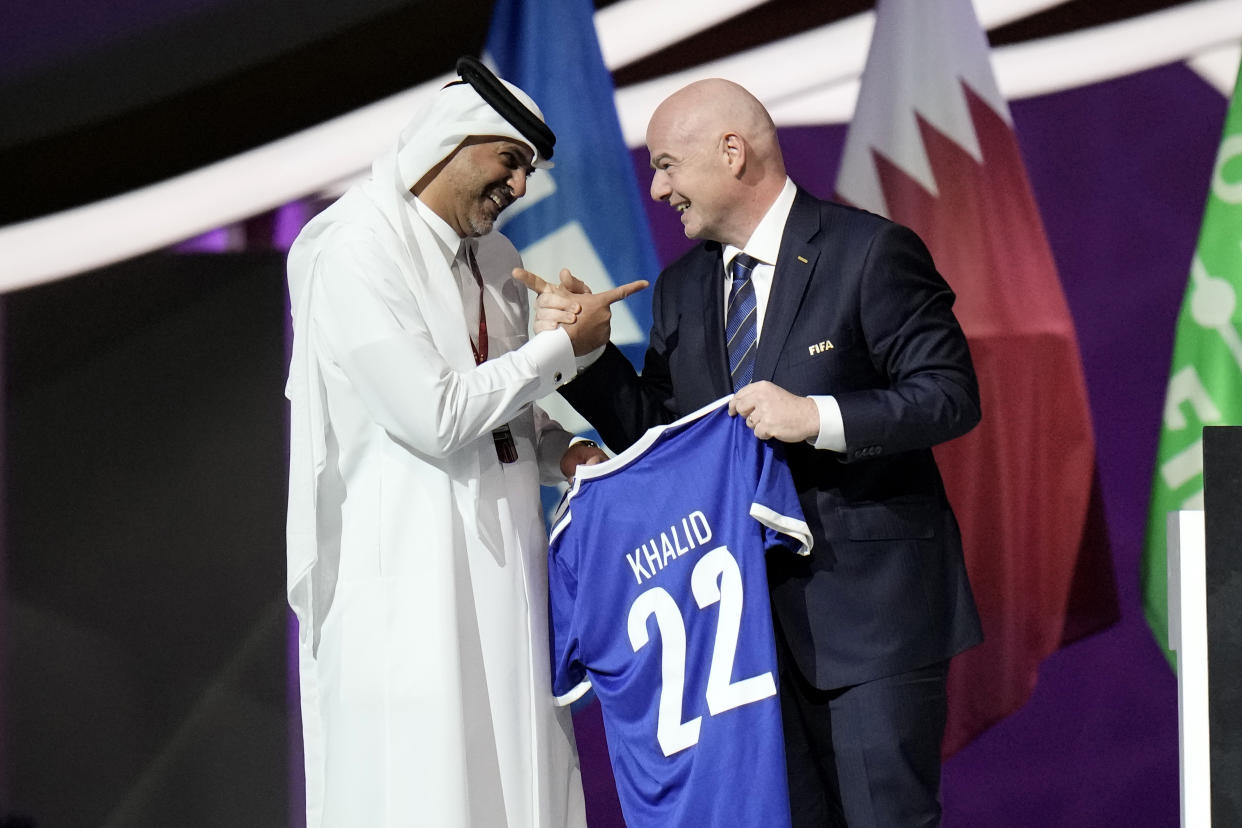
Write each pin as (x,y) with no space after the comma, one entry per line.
(734,147)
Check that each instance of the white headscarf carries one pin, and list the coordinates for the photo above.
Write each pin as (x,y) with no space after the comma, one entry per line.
(458,112)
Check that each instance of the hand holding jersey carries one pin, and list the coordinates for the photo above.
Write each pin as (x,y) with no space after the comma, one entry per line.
(584,453)
(771,411)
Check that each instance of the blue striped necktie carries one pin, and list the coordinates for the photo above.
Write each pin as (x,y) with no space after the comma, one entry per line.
(741,322)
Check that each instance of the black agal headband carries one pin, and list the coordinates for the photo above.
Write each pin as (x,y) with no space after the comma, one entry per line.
(506,104)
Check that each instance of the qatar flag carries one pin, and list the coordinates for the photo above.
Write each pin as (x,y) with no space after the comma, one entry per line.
(932,146)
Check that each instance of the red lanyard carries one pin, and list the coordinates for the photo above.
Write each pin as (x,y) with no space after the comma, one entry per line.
(480,350)
(506,449)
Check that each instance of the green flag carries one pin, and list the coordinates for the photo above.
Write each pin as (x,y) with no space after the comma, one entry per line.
(1205,380)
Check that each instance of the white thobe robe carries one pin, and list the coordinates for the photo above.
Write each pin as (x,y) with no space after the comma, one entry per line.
(417,560)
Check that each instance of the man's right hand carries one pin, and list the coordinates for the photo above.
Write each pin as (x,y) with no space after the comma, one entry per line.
(585,316)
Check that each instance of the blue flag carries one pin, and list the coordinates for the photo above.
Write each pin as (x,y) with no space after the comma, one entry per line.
(585,213)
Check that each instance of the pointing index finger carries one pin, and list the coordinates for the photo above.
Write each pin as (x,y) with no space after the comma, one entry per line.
(536,283)
(622,291)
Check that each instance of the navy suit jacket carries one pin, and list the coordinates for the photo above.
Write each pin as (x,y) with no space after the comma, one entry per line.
(856,310)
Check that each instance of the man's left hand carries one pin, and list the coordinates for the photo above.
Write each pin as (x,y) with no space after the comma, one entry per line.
(580,454)
(771,411)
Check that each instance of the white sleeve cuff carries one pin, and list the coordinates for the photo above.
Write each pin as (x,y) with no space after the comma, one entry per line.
(554,354)
(587,360)
(831,428)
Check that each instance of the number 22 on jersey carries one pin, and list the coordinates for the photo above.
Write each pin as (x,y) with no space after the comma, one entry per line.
(716,579)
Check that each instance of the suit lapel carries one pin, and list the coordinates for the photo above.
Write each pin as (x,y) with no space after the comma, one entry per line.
(713,322)
(794,264)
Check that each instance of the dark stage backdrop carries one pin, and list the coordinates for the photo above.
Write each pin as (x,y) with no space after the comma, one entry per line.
(145,621)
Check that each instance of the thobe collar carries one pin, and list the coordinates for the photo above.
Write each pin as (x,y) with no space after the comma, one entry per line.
(453,248)
(765,242)
(450,244)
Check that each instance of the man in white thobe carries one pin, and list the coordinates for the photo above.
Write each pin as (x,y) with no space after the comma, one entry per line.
(417,549)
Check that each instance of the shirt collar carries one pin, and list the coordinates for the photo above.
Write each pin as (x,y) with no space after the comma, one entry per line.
(450,242)
(765,242)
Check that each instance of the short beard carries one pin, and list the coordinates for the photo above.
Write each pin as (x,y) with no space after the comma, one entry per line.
(480,225)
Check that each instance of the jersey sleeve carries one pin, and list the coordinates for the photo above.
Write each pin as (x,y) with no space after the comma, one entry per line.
(569,676)
(775,503)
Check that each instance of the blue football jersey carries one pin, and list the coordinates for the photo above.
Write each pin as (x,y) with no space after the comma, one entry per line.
(659,603)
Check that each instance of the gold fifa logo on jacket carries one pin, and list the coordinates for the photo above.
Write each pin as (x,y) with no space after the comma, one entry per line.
(819,347)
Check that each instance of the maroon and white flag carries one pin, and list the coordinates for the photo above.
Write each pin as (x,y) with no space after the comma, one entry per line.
(932,146)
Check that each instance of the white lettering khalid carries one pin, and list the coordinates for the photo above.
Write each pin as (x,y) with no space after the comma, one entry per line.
(656,553)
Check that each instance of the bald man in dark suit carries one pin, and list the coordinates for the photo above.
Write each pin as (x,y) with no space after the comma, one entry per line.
(859,366)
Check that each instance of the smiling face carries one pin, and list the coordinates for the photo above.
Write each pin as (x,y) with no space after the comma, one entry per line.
(483,176)
(716,160)
(691,173)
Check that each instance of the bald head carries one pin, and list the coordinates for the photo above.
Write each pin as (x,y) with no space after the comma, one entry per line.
(713,107)
(716,159)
